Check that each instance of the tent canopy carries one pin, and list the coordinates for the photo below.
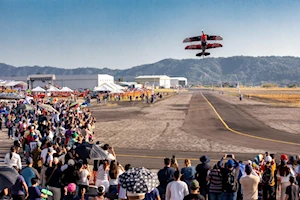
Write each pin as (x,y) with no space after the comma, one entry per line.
(117,92)
(53,89)
(66,89)
(38,89)
(102,88)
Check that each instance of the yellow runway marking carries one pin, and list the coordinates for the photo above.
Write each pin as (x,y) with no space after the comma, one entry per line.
(244,134)
(157,157)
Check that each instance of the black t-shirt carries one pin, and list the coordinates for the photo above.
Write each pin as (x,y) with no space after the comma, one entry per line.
(194,197)
(293,192)
(70,175)
(202,170)
(71,197)
(165,176)
(56,177)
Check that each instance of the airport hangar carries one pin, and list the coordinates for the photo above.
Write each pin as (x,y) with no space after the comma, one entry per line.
(162,81)
(71,81)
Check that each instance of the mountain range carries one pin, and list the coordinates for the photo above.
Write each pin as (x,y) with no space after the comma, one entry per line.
(246,70)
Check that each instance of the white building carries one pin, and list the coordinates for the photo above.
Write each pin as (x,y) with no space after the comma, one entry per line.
(156,80)
(105,78)
(71,81)
(178,81)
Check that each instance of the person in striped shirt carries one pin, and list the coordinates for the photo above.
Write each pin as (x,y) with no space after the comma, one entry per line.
(215,183)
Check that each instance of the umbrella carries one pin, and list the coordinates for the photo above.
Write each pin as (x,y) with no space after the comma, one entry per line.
(73,104)
(139,180)
(90,151)
(48,108)
(8,177)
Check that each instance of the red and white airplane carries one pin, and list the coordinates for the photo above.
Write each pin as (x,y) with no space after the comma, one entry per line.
(204,45)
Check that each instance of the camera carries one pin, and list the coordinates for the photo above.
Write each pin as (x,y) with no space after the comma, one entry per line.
(229,156)
(173,160)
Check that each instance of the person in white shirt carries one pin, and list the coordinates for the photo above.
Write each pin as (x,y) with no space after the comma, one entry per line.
(83,181)
(249,184)
(176,189)
(110,155)
(13,159)
(102,176)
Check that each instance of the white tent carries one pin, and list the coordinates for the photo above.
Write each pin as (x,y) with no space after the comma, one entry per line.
(117,92)
(102,88)
(65,89)
(53,89)
(38,89)
(115,86)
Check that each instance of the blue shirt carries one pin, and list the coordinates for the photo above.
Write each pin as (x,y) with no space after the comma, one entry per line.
(28,174)
(34,193)
(188,173)
(152,195)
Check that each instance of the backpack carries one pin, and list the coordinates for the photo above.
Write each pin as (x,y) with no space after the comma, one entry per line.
(267,177)
(231,180)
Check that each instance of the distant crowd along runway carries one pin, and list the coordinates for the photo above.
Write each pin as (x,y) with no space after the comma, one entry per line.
(204,45)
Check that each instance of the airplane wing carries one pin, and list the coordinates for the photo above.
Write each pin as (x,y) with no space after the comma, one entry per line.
(192,39)
(198,38)
(214,45)
(208,46)
(195,46)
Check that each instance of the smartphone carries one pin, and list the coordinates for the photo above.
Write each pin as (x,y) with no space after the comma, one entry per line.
(173,159)
(229,156)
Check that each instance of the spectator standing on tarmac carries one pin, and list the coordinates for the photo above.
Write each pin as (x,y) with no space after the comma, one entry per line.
(188,172)
(201,174)
(268,180)
(165,176)
(194,195)
(230,178)
(292,191)
(176,189)
(283,174)
(215,183)
(249,184)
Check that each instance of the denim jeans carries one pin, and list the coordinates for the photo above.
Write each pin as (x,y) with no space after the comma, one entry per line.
(10,132)
(229,195)
(215,196)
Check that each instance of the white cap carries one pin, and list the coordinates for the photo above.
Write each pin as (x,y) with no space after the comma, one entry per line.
(268,159)
(71,162)
(249,162)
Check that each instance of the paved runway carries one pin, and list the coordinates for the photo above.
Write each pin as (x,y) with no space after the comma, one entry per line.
(204,118)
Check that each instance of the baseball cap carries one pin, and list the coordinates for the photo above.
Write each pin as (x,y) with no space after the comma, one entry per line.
(71,187)
(230,163)
(283,157)
(194,184)
(268,159)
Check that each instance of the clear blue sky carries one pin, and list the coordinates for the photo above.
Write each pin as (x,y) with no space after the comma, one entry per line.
(126,33)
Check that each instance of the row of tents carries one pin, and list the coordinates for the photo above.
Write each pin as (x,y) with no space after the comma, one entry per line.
(52,89)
